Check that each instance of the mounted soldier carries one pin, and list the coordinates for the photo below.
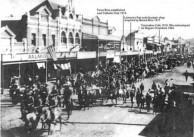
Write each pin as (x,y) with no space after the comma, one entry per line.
(43,93)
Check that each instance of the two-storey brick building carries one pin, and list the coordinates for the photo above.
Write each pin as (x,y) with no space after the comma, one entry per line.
(77,40)
(45,25)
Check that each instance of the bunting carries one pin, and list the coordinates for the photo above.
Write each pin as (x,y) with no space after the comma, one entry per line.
(51,50)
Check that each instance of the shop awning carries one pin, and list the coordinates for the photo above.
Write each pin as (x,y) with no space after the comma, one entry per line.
(100,37)
(89,36)
(108,38)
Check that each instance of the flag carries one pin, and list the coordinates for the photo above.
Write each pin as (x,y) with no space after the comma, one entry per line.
(66,66)
(69,66)
(43,65)
(51,50)
(39,65)
(63,66)
(117,59)
(55,66)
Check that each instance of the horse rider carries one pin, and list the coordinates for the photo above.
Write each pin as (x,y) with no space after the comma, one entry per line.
(37,81)
(66,95)
(27,103)
(43,93)
(29,81)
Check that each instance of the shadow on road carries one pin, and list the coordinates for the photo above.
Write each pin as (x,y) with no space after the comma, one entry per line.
(20,132)
(176,121)
(104,123)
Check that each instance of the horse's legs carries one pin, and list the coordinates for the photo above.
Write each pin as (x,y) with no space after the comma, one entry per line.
(60,122)
(49,127)
(106,99)
(84,104)
(43,124)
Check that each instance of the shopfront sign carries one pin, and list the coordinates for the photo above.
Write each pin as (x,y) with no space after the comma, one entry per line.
(24,57)
(34,56)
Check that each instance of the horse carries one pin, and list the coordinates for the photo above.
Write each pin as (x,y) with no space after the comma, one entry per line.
(91,94)
(51,115)
(112,94)
(122,93)
(83,99)
(31,120)
(15,94)
(67,100)
(143,76)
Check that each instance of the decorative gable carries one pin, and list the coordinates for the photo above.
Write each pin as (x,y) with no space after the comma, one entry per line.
(96,19)
(44,10)
(7,33)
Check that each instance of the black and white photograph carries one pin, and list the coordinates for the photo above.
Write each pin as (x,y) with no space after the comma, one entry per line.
(97,68)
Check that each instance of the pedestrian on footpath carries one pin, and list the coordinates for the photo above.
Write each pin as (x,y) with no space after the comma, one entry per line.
(132,94)
(138,97)
(186,75)
(141,87)
(142,102)
(148,101)
(155,104)
(154,87)
(171,83)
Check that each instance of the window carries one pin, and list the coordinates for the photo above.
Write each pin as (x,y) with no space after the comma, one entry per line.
(70,39)
(63,38)
(77,39)
(44,39)
(33,40)
(53,40)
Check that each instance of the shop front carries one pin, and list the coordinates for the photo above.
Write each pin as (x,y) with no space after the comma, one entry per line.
(22,66)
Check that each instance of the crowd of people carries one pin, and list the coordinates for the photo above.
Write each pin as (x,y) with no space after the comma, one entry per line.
(109,82)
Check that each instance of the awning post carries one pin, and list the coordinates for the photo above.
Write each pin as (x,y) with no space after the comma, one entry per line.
(46,65)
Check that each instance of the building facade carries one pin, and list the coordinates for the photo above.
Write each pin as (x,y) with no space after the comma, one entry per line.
(47,24)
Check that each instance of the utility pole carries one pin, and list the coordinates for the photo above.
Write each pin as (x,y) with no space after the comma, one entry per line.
(159,42)
(130,35)
(123,33)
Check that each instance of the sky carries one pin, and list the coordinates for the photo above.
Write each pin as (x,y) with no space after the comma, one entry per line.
(173,11)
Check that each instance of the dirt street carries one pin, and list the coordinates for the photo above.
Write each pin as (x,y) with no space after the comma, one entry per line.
(105,120)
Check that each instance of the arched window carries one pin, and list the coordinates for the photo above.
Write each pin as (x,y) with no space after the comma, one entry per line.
(70,16)
(77,39)
(63,38)
(70,39)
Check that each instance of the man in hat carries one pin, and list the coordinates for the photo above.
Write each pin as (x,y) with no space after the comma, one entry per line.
(66,95)
(141,87)
(132,94)
(43,93)
(30,101)
(148,101)
(154,87)
(29,81)
(171,83)
(138,97)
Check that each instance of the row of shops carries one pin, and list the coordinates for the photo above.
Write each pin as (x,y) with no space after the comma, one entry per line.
(41,64)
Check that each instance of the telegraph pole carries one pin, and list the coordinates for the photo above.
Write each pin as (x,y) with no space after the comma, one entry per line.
(123,34)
